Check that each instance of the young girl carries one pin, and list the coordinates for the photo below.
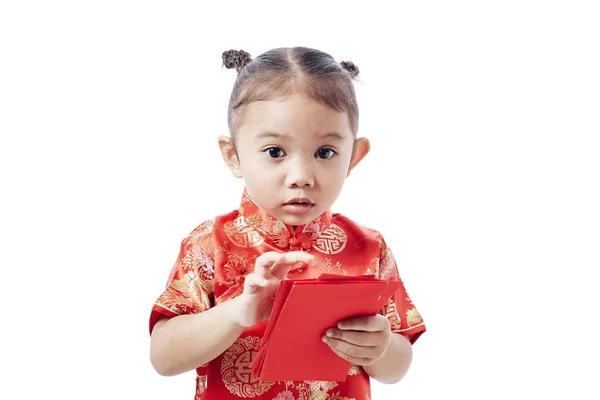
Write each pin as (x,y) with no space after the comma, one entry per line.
(293,121)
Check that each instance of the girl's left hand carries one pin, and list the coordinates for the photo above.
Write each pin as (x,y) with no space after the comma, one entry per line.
(361,340)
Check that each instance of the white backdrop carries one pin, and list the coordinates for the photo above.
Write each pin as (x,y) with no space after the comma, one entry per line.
(483,177)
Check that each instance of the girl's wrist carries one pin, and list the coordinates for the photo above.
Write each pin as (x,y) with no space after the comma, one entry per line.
(234,312)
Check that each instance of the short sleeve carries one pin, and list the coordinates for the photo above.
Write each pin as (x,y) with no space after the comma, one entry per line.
(190,286)
(400,310)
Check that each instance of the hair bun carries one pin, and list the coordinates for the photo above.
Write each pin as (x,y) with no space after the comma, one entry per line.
(236,59)
(350,67)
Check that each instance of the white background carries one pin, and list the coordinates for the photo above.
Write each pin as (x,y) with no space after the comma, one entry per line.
(483,177)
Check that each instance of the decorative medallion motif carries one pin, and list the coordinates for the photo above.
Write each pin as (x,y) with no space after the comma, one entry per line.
(242,234)
(236,371)
(332,241)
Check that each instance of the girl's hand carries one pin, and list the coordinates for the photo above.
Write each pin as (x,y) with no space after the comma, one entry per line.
(361,340)
(260,286)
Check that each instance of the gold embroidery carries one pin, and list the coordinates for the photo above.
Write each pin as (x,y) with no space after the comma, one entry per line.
(208,286)
(375,262)
(203,230)
(182,295)
(355,370)
(321,386)
(242,234)
(387,265)
(200,386)
(332,241)
(188,260)
(318,390)
(285,395)
(303,391)
(197,259)
(255,219)
(278,227)
(413,317)
(236,371)
(187,284)
(311,390)
(325,264)
(390,311)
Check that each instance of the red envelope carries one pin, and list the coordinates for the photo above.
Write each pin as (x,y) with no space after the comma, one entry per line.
(292,348)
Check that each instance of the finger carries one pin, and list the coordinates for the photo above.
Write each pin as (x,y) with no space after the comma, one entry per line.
(350,353)
(253,282)
(354,360)
(265,264)
(359,338)
(293,257)
(370,323)
(280,270)
(268,258)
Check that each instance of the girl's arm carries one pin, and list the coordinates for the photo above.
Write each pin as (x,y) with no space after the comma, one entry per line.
(392,367)
(185,342)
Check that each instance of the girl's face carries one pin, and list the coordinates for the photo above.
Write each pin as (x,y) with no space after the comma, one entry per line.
(294,155)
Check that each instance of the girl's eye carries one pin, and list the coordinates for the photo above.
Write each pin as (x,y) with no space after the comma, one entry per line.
(275,152)
(325,153)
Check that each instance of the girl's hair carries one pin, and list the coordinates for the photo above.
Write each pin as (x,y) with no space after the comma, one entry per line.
(284,71)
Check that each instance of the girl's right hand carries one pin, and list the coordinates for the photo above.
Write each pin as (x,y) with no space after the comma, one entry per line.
(260,286)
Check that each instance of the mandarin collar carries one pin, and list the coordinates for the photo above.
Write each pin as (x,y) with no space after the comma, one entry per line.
(283,235)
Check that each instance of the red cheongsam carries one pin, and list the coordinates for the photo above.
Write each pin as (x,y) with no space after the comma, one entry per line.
(216,256)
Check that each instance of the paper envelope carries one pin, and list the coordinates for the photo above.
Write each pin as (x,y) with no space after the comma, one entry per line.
(292,348)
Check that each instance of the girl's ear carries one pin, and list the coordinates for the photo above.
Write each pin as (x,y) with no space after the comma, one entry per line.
(361,149)
(230,156)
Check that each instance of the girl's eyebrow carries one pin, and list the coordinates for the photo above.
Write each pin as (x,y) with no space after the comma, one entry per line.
(333,135)
(264,135)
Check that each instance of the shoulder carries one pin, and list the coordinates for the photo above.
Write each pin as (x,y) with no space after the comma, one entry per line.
(204,232)
(357,231)
(369,239)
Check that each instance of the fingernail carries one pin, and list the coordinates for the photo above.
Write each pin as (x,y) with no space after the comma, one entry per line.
(324,339)
(329,333)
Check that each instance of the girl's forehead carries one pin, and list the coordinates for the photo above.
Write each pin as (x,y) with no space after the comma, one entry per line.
(268,91)
(295,106)
(292,114)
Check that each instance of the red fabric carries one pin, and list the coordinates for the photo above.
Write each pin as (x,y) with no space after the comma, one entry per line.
(216,256)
